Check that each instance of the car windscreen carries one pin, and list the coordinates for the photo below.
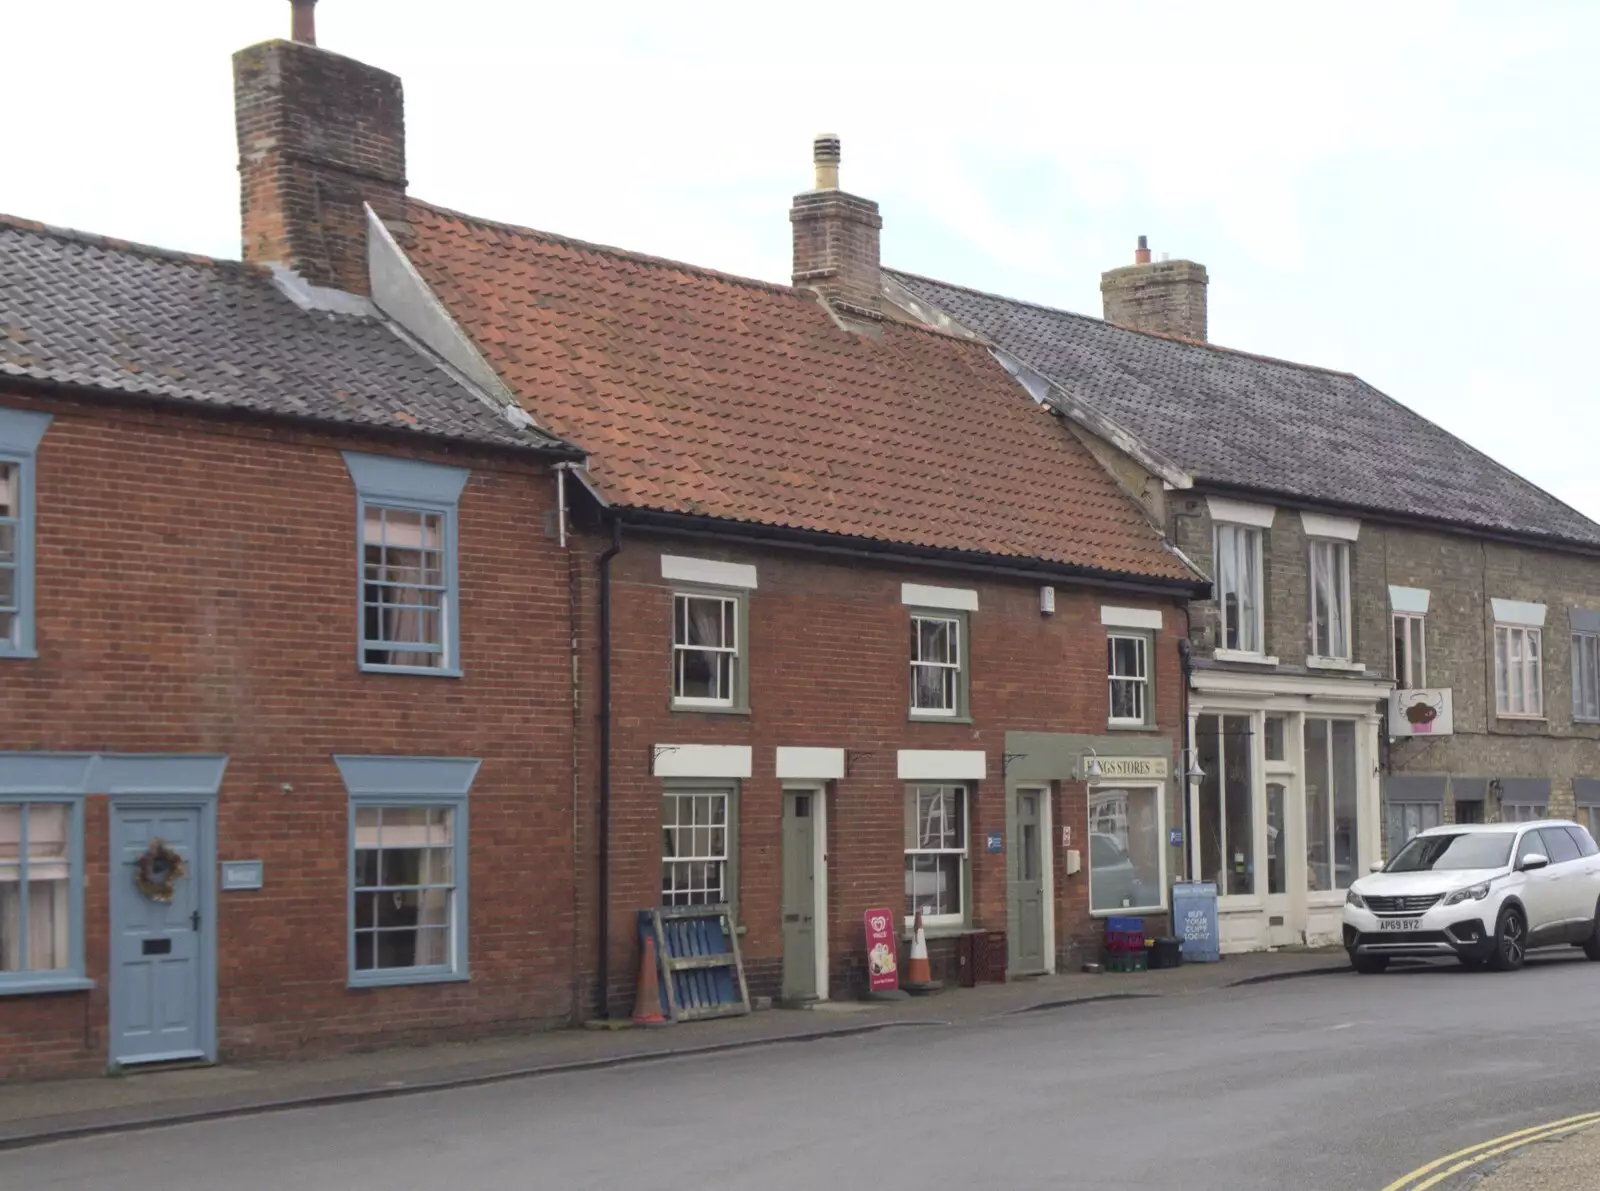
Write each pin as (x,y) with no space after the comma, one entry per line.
(1442,853)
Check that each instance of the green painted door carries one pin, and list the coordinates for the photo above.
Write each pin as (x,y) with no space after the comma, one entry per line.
(799,895)
(1026,862)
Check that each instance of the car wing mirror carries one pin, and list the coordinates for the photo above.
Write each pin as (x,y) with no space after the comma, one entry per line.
(1532,861)
(1375,867)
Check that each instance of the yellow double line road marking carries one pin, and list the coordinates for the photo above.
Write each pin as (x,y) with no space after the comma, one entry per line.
(1430,1175)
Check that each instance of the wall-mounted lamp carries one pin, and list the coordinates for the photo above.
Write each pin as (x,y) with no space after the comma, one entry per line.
(1194,773)
(1090,764)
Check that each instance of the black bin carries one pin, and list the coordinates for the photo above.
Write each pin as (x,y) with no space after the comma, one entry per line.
(1166,953)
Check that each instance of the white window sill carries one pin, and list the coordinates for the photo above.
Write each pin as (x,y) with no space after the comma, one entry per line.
(1244,655)
(942,928)
(1127,911)
(1520,717)
(707,705)
(9,654)
(1314,662)
(393,977)
(429,671)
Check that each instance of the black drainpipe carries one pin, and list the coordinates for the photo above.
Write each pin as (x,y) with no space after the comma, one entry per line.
(605,768)
(1186,666)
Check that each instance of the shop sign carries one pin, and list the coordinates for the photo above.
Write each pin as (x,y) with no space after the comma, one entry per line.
(1421,713)
(883,973)
(1123,768)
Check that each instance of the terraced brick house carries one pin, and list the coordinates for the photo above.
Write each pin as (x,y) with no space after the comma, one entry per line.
(282,769)
(1402,631)
(856,616)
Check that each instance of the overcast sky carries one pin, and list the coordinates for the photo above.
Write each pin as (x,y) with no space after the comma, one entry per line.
(1405,191)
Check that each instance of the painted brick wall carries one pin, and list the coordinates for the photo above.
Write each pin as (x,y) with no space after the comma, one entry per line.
(195,594)
(829,662)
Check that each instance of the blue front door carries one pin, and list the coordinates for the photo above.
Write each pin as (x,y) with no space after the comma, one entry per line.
(158,952)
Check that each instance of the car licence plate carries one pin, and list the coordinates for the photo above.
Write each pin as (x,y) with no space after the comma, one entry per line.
(1399,924)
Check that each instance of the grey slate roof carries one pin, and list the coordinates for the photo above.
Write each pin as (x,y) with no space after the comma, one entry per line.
(96,313)
(1250,422)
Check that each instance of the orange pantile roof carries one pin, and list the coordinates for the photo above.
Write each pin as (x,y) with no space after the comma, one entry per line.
(705,394)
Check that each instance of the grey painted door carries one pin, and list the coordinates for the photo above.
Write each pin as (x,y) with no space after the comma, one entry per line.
(799,895)
(1027,883)
(157,948)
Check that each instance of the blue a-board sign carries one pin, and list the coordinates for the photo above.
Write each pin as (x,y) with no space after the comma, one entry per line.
(996,844)
(1194,920)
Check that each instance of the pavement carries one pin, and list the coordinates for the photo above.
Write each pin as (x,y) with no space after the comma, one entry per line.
(1568,1163)
(35,1112)
(1229,1078)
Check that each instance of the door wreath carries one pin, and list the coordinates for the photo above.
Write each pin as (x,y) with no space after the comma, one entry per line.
(158,870)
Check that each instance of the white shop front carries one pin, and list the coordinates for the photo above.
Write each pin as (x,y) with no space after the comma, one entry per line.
(1287,812)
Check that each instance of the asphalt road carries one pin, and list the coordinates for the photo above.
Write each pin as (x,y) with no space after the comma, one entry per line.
(1330,1082)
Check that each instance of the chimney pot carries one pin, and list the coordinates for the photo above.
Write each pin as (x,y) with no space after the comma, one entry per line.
(321,137)
(825,160)
(303,21)
(1167,298)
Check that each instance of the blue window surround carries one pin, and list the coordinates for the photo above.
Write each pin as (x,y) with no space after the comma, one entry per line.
(430,488)
(410,781)
(57,778)
(20,432)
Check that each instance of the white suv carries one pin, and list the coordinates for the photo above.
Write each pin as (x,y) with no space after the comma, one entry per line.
(1484,893)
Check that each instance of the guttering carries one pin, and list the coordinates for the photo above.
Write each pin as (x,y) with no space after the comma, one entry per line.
(604,900)
(818,542)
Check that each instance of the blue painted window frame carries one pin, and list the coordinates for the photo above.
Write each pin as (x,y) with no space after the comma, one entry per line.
(413,486)
(30,779)
(20,432)
(411,782)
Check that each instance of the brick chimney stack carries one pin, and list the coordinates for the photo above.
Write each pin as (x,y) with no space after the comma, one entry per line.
(1168,297)
(836,239)
(319,136)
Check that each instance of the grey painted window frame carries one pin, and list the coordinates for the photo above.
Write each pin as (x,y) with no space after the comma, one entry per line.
(730,789)
(410,782)
(20,433)
(414,486)
(962,712)
(1147,640)
(740,703)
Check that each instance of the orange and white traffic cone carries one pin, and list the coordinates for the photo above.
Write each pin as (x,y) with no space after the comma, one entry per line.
(647,1000)
(919,974)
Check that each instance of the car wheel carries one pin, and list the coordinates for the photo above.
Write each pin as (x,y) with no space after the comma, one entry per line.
(1510,940)
(1369,965)
(1591,945)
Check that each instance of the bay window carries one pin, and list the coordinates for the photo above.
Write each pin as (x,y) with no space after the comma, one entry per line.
(1586,676)
(20,432)
(1225,825)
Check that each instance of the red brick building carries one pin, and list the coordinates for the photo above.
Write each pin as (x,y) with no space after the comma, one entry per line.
(834,616)
(265,571)
(862,593)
